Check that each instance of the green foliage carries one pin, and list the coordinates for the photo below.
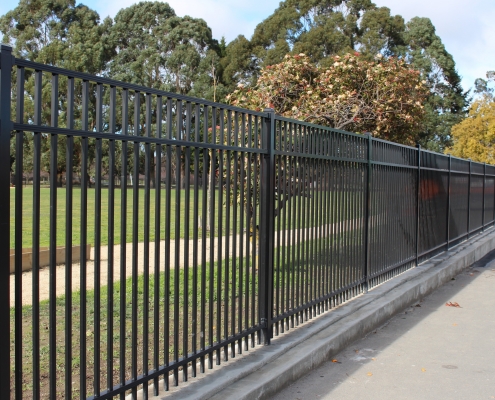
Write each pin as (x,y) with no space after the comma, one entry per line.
(238,63)
(483,86)
(447,102)
(322,29)
(150,45)
(58,33)
(158,49)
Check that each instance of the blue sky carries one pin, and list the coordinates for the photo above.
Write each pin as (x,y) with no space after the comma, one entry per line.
(465,26)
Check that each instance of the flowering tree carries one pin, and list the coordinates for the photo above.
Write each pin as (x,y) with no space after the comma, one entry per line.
(384,96)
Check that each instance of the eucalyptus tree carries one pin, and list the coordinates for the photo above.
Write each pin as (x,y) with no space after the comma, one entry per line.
(61,34)
(158,49)
(448,102)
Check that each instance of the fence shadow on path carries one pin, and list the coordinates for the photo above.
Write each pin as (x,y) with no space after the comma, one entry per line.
(426,351)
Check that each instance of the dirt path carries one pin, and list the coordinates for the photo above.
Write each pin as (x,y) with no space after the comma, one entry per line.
(44,273)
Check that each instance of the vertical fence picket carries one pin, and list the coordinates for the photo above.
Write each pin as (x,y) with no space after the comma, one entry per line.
(178,183)
(97,240)
(469,201)
(196,224)
(36,235)
(111,239)
(53,238)
(5,131)
(368,215)
(418,202)
(68,235)
(19,156)
(123,243)
(187,201)
(84,238)
(146,244)
(448,202)
(135,242)
(157,263)
(204,229)
(267,227)
(483,203)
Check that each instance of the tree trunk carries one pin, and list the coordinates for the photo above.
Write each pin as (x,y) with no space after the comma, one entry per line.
(209,187)
(182,176)
(152,173)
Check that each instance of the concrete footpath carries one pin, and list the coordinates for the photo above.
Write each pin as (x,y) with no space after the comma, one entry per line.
(427,350)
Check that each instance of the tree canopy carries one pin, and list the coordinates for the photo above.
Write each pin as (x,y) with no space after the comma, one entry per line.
(383,96)
(58,33)
(322,29)
(156,48)
(474,137)
(484,86)
(149,44)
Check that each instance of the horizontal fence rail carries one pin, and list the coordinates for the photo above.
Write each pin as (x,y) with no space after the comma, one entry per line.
(180,232)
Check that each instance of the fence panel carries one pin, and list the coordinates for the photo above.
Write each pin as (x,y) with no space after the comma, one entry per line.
(319,219)
(476,202)
(165,234)
(434,198)
(165,190)
(393,210)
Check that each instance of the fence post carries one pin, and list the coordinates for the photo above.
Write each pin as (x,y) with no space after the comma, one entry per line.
(484,186)
(267,225)
(6,62)
(469,201)
(493,195)
(448,204)
(418,202)
(367,216)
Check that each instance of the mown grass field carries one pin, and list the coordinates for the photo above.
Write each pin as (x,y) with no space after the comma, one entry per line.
(344,205)
(27,215)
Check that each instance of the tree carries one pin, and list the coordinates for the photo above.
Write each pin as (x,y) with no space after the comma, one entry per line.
(322,29)
(60,34)
(158,49)
(238,63)
(474,137)
(209,84)
(384,96)
(447,102)
(482,86)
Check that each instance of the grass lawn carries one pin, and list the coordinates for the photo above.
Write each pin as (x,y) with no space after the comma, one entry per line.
(27,222)
(339,205)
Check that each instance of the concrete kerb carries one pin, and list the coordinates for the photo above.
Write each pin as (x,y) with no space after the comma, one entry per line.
(263,371)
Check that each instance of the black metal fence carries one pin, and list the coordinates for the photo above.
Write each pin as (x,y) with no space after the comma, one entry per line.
(212,228)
